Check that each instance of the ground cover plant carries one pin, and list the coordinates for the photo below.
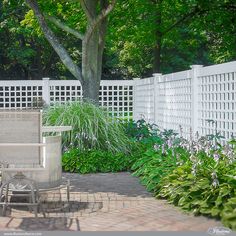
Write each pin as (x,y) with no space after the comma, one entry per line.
(93,161)
(197,175)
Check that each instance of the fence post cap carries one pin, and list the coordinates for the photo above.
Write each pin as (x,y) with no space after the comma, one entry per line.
(196,66)
(156,74)
(136,78)
(46,78)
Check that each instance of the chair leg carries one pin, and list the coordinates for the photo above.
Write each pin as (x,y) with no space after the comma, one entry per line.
(5,201)
(33,197)
(68,190)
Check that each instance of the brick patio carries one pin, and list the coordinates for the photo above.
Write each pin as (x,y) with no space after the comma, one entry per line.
(106,202)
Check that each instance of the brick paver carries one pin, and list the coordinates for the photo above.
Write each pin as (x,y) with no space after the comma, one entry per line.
(106,202)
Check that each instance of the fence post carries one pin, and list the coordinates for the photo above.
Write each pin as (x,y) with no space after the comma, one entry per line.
(157,79)
(195,69)
(46,91)
(135,117)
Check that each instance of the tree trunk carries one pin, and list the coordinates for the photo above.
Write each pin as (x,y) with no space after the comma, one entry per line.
(157,48)
(90,77)
(157,54)
(92,52)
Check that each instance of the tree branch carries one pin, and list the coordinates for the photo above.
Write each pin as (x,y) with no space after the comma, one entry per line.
(185,17)
(52,39)
(64,27)
(99,18)
(86,10)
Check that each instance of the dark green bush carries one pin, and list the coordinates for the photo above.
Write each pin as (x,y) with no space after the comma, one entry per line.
(93,161)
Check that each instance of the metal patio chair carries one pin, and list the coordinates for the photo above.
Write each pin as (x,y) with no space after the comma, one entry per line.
(29,162)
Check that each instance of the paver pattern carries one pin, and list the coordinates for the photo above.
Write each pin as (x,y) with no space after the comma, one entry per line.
(105,202)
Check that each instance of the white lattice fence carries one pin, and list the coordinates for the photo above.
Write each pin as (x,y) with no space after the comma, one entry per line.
(115,96)
(190,98)
(20,94)
(217,99)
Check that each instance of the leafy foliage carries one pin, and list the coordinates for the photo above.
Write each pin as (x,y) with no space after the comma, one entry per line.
(140,130)
(189,32)
(153,165)
(196,175)
(209,192)
(92,161)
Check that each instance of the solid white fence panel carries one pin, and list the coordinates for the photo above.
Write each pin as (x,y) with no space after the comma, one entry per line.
(145,100)
(174,104)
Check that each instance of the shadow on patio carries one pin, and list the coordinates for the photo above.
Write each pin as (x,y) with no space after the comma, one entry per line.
(42,224)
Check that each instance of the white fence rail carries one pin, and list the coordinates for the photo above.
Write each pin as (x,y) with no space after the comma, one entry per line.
(189,98)
(203,98)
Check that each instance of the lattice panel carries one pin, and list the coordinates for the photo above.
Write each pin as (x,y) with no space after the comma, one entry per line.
(17,96)
(117,98)
(174,106)
(144,100)
(217,102)
(64,93)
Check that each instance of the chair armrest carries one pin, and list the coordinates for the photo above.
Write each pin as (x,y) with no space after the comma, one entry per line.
(19,169)
(56,128)
(22,144)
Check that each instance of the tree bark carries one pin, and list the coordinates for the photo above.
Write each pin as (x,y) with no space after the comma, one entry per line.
(92,51)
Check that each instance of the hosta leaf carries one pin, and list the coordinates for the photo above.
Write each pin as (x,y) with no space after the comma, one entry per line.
(219,201)
(229,216)
(224,191)
(205,211)
(182,200)
(151,186)
(215,211)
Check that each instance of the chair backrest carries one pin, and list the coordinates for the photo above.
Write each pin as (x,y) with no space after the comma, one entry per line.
(21,127)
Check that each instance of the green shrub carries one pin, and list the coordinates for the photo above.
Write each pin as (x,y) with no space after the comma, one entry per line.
(211,191)
(138,130)
(92,127)
(154,164)
(196,175)
(92,161)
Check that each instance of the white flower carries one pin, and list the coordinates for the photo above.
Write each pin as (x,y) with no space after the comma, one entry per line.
(163,148)
(156,147)
(216,157)
(215,181)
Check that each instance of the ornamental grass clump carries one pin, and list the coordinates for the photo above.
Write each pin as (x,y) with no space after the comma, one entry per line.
(92,128)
